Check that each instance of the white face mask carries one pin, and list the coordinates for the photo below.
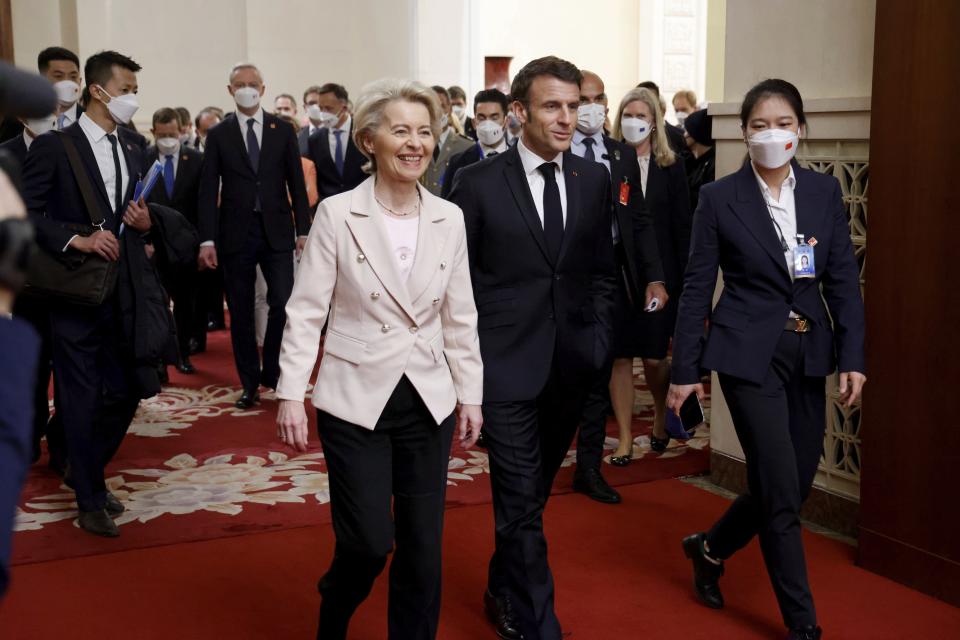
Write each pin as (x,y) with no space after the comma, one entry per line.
(327,119)
(773,148)
(459,111)
(184,138)
(444,122)
(635,130)
(121,108)
(68,92)
(168,146)
(246,97)
(39,126)
(489,133)
(590,118)
(681,116)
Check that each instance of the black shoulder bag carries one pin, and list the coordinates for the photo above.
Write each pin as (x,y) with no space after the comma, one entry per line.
(79,278)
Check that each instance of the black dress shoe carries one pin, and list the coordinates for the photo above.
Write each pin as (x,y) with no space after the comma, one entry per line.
(113,507)
(98,523)
(811,632)
(248,399)
(163,375)
(186,366)
(193,347)
(659,445)
(591,483)
(621,461)
(500,612)
(706,575)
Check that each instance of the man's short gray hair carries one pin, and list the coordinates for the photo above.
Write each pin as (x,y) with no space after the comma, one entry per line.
(375,97)
(240,66)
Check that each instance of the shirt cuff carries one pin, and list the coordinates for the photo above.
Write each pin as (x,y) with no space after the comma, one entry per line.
(67,246)
(660,282)
(206,243)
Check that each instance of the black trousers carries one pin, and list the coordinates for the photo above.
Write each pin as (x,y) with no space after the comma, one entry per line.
(183,285)
(780,424)
(240,279)
(593,427)
(404,459)
(527,442)
(95,400)
(209,303)
(37,313)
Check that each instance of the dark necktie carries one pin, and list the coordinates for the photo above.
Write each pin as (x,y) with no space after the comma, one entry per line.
(552,210)
(338,151)
(118,181)
(589,154)
(168,176)
(253,147)
(492,153)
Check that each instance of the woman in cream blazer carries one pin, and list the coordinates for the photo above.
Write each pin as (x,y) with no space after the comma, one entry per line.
(386,270)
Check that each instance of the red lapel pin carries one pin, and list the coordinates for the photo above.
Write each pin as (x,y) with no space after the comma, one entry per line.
(273,125)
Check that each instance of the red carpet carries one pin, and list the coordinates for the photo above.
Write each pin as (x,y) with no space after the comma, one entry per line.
(629,580)
(195,468)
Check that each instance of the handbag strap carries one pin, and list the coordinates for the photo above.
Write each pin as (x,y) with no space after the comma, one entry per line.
(83,179)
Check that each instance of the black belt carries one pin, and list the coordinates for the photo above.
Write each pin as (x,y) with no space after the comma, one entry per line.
(798,325)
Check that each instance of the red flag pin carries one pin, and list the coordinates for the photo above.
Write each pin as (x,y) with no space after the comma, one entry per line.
(812,242)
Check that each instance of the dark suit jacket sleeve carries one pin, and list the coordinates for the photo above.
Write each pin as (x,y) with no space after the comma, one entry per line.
(208,207)
(681,218)
(646,250)
(461,195)
(39,170)
(841,290)
(604,282)
(455,165)
(296,184)
(699,283)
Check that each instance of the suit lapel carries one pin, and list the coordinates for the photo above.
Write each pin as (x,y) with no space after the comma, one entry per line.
(517,180)
(90,163)
(432,235)
(571,181)
(133,170)
(753,213)
(366,225)
(323,139)
(811,209)
(184,167)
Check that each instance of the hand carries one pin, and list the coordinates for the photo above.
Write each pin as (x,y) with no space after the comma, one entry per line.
(851,385)
(679,393)
(469,422)
(292,424)
(656,290)
(208,257)
(301,243)
(103,243)
(137,216)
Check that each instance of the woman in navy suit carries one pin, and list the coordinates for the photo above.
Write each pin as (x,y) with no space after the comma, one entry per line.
(770,339)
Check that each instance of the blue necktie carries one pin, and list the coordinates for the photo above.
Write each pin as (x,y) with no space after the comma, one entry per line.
(338,152)
(589,154)
(62,120)
(168,176)
(552,210)
(253,147)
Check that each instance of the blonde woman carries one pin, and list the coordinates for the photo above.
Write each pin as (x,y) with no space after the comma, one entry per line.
(640,123)
(385,268)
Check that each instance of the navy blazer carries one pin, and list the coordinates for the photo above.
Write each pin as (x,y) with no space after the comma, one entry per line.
(460,160)
(186,184)
(329,180)
(16,147)
(52,194)
(668,198)
(228,176)
(732,230)
(533,315)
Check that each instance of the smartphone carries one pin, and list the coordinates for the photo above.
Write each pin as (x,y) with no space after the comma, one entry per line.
(653,306)
(683,427)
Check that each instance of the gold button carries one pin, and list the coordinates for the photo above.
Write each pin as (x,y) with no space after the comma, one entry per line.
(361,258)
(375,295)
(413,329)
(385,328)
(436,301)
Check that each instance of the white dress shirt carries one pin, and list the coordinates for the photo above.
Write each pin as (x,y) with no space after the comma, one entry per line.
(27,139)
(257,127)
(68,117)
(344,138)
(644,162)
(531,167)
(500,148)
(599,149)
(783,212)
(103,153)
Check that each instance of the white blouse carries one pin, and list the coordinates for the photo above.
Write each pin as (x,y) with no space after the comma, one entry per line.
(403,239)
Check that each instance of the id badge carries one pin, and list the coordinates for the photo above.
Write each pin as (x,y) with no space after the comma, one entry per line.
(803,266)
(624,193)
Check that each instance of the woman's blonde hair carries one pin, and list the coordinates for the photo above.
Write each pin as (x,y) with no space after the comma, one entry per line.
(662,152)
(375,97)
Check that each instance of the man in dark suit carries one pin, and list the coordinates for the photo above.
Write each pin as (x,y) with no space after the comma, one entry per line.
(339,163)
(538,232)
(638,265)
(251,163)
(91,365)
(315,117)
(179,188)
(490,109)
